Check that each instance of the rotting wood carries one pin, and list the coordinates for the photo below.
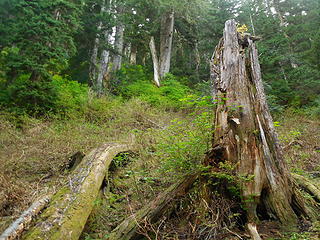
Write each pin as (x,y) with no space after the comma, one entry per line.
(307,185)
(245,136)
(19,225)
(127,230)
(67,214)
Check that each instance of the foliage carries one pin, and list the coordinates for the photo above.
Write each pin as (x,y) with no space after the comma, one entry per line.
(183,143)
(41,32)
(134,82)
(24,96)
(42,98)
(72,96)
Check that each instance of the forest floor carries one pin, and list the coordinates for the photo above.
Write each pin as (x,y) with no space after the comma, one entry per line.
(34,157)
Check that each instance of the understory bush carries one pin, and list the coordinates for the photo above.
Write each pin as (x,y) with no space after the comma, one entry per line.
(58,96)
(134,81)
(28,97)
(182,145)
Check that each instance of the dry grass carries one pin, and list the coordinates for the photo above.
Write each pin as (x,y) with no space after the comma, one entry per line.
(300,138)
(32,157)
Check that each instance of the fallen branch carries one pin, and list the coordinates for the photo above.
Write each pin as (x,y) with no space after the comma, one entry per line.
(17,227)
(307,185)
(67,214)
(128,228)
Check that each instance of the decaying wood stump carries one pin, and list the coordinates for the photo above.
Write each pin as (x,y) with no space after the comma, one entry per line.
(244,133)
(127,230)
(69,209)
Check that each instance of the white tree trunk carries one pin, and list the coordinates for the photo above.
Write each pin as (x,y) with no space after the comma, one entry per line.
(118,45)
(155,61)
(166,36)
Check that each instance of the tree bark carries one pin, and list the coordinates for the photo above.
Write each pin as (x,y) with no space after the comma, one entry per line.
(99,65)
(133,54)
(70,208)
(17,227)
(151,212)
(308,186)
(166,36)
(245,136)
(118,45)
(156,67)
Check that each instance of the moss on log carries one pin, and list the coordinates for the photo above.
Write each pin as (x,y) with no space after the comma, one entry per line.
(127,230)
(70,208)
(307,185)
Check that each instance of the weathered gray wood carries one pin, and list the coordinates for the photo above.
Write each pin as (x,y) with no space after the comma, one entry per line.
(127,230)
(166,36)
(155,60)
(99,65)
(70,208)
(19,225)
(118,43)
(244,132)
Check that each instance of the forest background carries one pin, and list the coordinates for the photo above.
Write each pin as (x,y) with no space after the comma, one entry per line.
(51,51)
(77,73)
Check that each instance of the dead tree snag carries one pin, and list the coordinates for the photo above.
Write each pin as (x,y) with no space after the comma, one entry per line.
(245,135)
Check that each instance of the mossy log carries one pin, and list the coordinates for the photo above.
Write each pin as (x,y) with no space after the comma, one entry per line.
(69,209)
(308,186)
(127,230)
(244,134)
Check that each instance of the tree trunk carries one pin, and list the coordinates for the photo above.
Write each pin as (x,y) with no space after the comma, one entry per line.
(70,208)
(166,36)
(118,45)
(99,65)
(245,136)
(133,54)
(103,65)
(156,67)
(151,212)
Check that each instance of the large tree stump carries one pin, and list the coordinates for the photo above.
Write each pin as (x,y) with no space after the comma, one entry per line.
(244,133)
(69,209)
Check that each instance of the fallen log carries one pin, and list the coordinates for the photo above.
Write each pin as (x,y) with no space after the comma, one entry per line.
(69,209)
(128,229)
(17,227)
(307,185)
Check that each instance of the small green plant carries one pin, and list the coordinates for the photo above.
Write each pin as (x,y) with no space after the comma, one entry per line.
(184,142)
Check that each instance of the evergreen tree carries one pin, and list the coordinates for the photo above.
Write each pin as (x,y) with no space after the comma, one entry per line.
(37,36)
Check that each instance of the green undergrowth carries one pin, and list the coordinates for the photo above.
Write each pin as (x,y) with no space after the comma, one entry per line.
(171,140)
(34,151)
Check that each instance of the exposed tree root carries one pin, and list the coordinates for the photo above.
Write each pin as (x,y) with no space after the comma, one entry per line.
(308,186)
(150,213)
(253,231)
(70,207)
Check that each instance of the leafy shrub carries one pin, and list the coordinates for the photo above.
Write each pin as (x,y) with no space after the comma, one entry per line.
(168,95)
(37,98)
(30,97)
(183,144)
(127,75)
(71,96)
